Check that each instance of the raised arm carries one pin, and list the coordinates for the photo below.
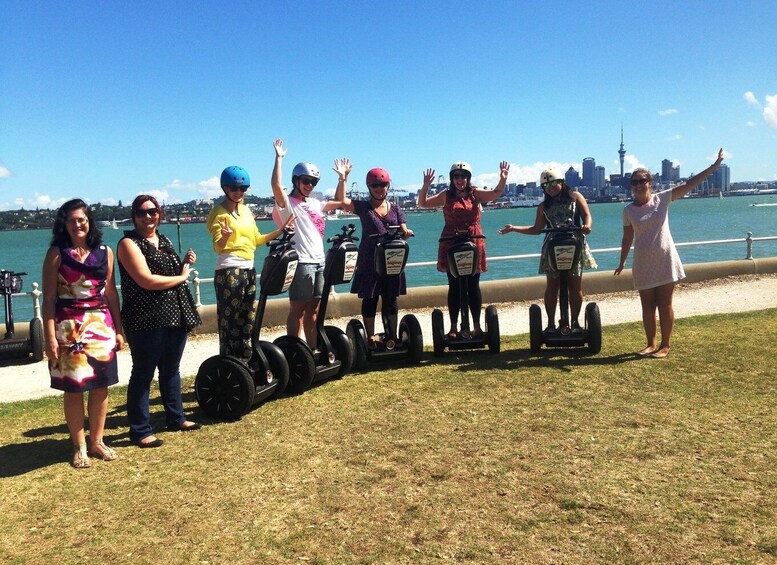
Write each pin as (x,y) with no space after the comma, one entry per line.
(343,169)
(536,229)
(683,189)
(276,180)
(484,196)
(426,201)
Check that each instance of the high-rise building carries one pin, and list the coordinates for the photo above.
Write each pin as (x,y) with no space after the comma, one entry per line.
(722,178)
(589,167)
(599,180)
(572,177)
(666,170)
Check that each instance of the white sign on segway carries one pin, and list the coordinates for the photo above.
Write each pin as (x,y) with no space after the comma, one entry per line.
(395,260)
(565,255)
(464,262)
(291,269)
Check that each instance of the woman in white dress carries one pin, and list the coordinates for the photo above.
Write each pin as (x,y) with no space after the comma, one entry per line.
(656,266)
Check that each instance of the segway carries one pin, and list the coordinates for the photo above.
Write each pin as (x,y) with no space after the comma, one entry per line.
(226,386)
(10,346)
(462,263)
(564,248)
(391,253)
(333,355)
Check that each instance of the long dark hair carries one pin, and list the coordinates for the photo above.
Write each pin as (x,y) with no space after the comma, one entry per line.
(564,196)
(60,238)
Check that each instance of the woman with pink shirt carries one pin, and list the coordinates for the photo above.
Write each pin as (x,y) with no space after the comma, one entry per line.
(656,266)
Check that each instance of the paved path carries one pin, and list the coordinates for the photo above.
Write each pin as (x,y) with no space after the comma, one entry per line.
(24,380)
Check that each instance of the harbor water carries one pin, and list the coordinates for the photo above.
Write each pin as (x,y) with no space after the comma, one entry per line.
(697,219)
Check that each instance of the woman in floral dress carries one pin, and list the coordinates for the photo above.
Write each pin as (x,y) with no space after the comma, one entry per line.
(82,325)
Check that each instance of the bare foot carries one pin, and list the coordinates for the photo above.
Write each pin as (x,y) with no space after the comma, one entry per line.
(647,351)
(660,353)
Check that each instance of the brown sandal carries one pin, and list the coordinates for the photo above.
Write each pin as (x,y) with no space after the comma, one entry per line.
(101,451)
(80,458)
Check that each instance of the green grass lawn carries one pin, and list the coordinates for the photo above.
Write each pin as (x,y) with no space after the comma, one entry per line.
(557,457)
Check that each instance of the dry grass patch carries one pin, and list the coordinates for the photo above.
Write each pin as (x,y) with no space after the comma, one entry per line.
(548,458)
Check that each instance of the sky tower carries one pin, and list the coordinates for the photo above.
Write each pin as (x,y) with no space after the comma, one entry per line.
(622,154)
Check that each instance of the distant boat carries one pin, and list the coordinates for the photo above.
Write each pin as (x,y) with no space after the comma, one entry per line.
(114,225)
(764,204)
(340,215)
(720,195)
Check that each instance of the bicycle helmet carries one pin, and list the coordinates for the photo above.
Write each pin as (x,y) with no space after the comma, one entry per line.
(461,166)
(377,175)
(307,169)
(549,175)
(235,176)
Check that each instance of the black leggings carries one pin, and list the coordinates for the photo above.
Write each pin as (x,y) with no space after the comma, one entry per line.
(454,300)
(370,306)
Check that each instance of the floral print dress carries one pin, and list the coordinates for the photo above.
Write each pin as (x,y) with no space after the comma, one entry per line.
(563,214)
(84,327)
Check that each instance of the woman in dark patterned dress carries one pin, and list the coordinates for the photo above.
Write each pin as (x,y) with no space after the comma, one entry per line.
(461,204)
(158,312)
(82,325)
(376,214)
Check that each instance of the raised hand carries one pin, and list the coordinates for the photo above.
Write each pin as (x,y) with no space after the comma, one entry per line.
(226,231)
(504,169)
(342,167)
(279,150)
(720,158)
(428,176)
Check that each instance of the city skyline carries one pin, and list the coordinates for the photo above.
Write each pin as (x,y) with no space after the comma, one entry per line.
(106,102)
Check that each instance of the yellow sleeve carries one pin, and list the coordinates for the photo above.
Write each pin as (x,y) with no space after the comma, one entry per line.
(216,217)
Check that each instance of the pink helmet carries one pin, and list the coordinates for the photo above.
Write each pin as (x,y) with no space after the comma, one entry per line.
(378,175)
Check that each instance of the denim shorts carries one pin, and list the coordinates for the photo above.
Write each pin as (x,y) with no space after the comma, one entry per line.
(308,282)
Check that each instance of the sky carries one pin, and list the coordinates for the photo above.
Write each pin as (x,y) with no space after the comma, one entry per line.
(105,100)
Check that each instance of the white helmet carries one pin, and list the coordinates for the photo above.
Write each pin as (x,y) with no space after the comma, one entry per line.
(461,166)
(549,175)
(307,169)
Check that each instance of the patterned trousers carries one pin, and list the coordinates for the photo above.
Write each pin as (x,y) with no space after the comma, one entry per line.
(235,295)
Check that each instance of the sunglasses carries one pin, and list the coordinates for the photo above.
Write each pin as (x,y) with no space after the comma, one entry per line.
(307,181)
(635,182)
(379,185)
(147,212)
(460,176)
(236,188)
(552,183)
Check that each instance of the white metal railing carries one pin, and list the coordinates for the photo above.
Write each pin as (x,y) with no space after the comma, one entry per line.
(197,282)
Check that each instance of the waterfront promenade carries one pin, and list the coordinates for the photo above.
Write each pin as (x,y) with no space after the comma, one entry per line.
(711,292)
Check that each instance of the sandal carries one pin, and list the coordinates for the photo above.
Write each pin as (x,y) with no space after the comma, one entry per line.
(453,334)
(80,458)
(477,333)
(101,451)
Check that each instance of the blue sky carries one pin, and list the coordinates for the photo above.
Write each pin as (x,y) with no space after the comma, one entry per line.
(106,100)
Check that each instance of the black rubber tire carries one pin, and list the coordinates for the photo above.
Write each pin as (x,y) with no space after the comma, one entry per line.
(411,335)
(224,388)
(535,328)
(438,330)
(302,365)
(278,365)
(342,348)
(593,324)
(492,329)
(358,338)
(36,339)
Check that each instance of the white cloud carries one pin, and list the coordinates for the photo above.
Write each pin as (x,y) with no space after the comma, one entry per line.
(751,123)
(631,162)
(667,112)
(674,137)
(5,172)
(770,111)
(751,99)
(210,188)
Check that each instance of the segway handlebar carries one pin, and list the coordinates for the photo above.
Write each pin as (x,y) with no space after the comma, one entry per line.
(10,282)
(392,232)
(462,236)
(282,239)
(561,229)
(346,235)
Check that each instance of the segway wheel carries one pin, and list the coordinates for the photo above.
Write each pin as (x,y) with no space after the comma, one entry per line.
(593,324)
(438,330)
(358,338)
(410,334)
(224,388)
(535,328)
(302,365)
(278,365)
(492,329)
(342,348)
(36,339)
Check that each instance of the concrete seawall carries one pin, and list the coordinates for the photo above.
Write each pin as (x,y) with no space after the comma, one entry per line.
(343,304)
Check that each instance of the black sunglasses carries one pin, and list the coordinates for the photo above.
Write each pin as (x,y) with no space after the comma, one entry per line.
(460,176)
(236,188)
(307,181)
(148,212)
(379,185)
(635,182)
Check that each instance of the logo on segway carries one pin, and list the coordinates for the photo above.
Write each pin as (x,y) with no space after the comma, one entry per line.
(395,259)
(350,265)
(565,255)
(291,268)
(464,262)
